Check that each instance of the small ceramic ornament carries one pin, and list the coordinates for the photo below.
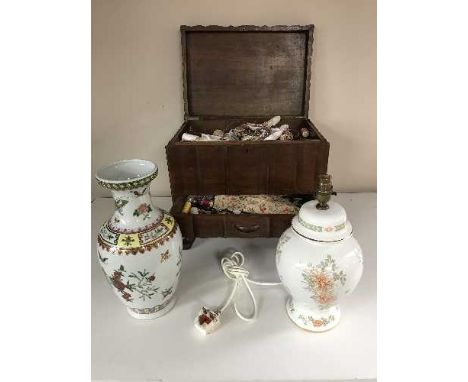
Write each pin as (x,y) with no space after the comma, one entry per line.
(319,261)
(140,246)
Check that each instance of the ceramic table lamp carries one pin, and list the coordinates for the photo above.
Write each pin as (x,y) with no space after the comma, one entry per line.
(319,261)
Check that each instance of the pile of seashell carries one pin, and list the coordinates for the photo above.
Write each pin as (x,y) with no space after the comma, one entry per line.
(265,131)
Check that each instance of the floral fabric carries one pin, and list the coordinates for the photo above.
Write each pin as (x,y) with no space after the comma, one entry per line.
(255,204)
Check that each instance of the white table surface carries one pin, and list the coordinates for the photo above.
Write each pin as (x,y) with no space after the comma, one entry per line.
(271,349)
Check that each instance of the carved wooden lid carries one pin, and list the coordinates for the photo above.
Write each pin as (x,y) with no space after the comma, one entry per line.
(246,71)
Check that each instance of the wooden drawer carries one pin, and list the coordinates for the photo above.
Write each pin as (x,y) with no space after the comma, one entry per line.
(226,225)
(208,225)
(247,225)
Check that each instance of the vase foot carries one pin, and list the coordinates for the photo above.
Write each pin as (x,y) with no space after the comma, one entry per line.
(312,320)
(152,313)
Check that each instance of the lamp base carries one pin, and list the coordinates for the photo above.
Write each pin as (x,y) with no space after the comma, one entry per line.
(312,320)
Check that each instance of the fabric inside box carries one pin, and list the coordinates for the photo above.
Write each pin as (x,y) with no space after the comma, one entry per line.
(243,204)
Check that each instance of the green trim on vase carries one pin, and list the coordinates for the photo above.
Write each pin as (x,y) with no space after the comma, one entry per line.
(317,228)
(128,185)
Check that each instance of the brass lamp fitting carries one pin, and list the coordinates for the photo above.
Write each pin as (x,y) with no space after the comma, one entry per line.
(324,191)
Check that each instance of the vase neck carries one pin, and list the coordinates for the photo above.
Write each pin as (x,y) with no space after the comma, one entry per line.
(134,210)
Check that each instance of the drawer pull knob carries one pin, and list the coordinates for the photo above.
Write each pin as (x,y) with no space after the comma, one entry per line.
(247,229)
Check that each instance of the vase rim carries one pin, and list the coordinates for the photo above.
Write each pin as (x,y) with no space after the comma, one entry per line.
(126,172)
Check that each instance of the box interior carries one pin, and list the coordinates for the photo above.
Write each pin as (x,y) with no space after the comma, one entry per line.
(207,126)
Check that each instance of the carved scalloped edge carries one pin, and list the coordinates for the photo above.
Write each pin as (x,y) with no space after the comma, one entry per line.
(247,27)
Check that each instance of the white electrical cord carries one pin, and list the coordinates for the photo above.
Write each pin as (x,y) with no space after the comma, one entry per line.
(233,269)
(208,320)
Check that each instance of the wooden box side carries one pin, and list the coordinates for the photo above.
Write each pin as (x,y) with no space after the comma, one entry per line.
(236,168)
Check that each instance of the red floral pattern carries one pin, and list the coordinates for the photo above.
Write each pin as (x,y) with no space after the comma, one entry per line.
(143,209)
(321,281)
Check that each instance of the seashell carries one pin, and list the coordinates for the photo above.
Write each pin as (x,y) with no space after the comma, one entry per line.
(286,136)
(305,132)
(190,137)
(254,126)
(230,137)
(276,132)
(209,137)
(272,122)
(219,133)
(248,138)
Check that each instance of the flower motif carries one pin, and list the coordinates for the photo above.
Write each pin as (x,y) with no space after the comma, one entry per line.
(329,229)
(317,323)
(127,296)
(117,281)
(128,240)
(325,299)
(321,280)
(143,209)
(165,256)
(116,275)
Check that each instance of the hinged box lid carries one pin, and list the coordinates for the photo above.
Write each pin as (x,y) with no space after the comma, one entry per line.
(246,71)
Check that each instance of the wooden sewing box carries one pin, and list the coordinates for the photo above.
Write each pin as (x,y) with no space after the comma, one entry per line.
(242,74)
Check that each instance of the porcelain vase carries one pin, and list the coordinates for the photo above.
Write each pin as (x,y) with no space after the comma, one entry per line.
(318,261)
(140,247)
